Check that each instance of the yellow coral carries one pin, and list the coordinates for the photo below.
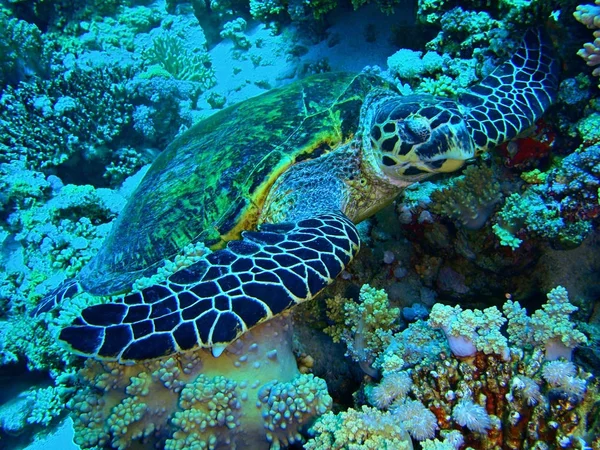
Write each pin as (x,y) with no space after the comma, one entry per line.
(365,326)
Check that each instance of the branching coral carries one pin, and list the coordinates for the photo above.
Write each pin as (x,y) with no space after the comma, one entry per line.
(21,47)
(75,115)
(548,328)
(169,53)
(516,403)
(469,331)
(252,396)
(364,326)
(364,429)
(470,199)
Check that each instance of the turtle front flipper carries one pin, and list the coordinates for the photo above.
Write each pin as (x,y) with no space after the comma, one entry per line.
(214,301)
(65,290)
(515,94)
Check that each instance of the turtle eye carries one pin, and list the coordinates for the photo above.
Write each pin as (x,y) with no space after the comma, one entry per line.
(417,129)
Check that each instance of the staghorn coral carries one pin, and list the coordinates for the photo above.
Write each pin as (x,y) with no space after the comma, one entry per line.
(73,116)
(170,54)
(252,396)
(22,50)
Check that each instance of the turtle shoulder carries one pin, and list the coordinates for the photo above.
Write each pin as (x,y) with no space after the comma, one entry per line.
(210,183)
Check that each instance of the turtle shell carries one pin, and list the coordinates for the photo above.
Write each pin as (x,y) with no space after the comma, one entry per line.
(210,183)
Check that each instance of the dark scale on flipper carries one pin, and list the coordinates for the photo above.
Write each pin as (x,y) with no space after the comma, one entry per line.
(168,322)
(266,264)
(249,310)
(164,307)
(186,299)
(197,309)
(515,94)
(221,258)
(204,324)
(84,339)
(213,273)
(190,274)
(228,282)
(104,315)
(116,338)
(205,289)
(316,282)
(226,329)
(155,293)
(304,254)
(243,247)
(221,302)
(266,277)
(292,283)
(133,299)
(137,313)
(185,336)
(153,346)
(263,237)
(142,329)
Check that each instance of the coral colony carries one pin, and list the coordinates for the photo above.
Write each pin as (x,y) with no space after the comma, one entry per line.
(470,317)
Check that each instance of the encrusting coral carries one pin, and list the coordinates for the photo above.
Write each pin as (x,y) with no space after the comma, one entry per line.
(252,396)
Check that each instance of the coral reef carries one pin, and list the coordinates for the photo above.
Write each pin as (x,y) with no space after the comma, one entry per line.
(561,207)
(94,90)
(516,396)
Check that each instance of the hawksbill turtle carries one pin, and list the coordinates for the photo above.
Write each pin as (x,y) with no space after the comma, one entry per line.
(274,186)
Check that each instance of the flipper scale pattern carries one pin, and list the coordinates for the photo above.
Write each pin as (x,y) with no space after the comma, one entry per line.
(214,301)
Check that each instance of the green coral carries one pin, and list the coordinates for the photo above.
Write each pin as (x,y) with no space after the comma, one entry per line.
(549,327)
(169,52)
(22,50)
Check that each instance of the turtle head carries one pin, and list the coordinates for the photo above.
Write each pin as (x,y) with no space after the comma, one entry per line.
(413,137)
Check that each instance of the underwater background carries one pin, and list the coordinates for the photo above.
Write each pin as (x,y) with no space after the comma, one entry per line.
(503,255)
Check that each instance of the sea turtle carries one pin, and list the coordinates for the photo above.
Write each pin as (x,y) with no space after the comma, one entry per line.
(299,165)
